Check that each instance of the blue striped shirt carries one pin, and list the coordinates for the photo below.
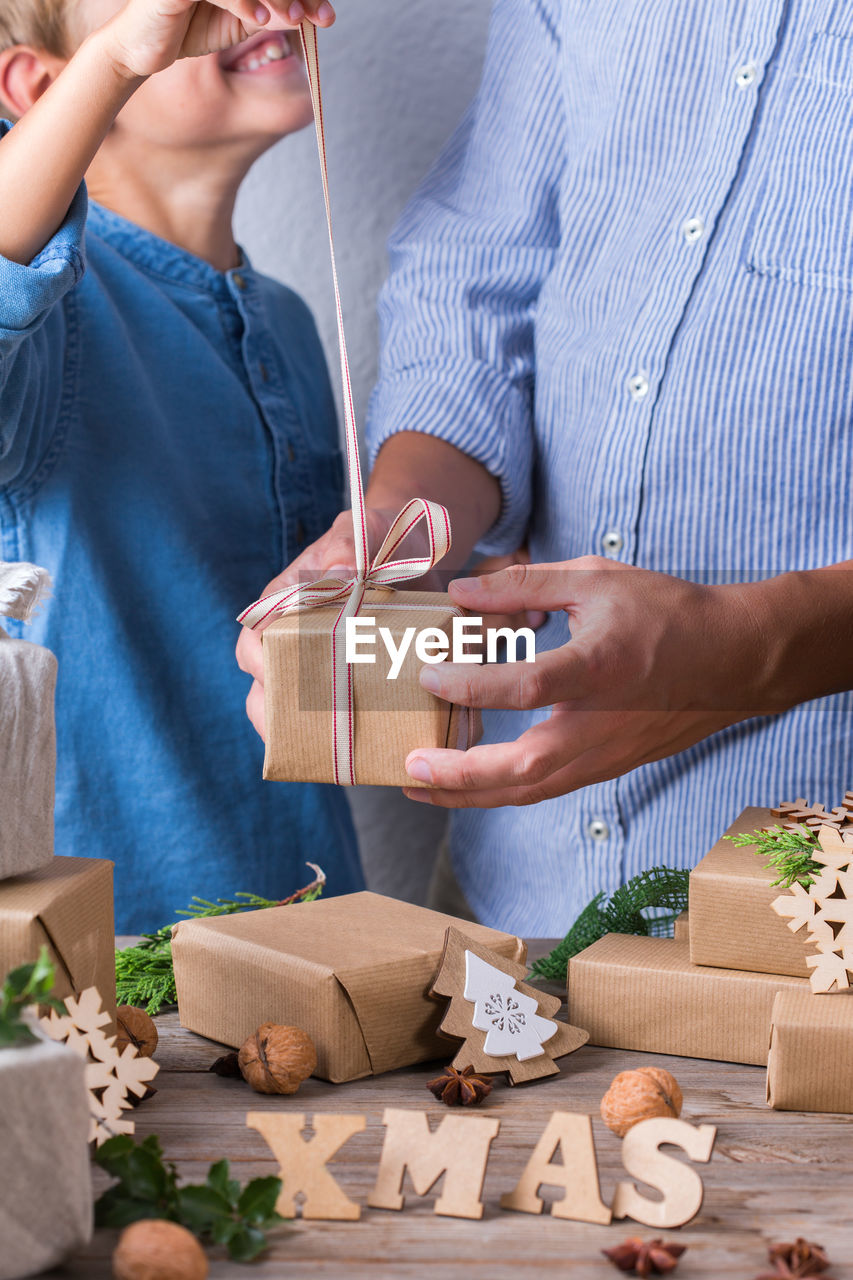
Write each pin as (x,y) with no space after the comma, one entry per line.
(627,289)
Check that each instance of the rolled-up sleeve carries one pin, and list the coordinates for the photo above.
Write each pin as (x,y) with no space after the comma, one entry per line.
(33,341)
(468,260)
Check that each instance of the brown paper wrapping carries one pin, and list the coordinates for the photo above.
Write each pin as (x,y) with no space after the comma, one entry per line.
(68,906)
(391,717)
(810,1067)
(681,931)
(732,924)
(354,972)
(45,1180)
(644,994)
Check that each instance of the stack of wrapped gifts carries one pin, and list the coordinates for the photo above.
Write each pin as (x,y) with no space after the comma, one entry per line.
(735,983)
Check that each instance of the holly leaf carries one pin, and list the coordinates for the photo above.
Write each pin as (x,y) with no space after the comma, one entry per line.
(217,1178)
(246,1243)
(201,1207)
(257,1201)
(116,1209)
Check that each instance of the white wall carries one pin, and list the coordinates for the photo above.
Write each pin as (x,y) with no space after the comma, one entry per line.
(397,77)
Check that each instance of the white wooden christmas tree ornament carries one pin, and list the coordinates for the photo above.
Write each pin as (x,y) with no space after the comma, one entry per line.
(826,912)
(504,1024)
(509,1018)
(111,1077)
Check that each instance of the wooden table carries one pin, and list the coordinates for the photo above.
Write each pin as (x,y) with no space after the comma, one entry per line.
(773,1176)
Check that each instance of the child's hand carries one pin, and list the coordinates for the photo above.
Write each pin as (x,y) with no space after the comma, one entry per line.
(147,36)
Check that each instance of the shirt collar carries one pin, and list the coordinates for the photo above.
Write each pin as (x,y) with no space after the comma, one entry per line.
(158,256)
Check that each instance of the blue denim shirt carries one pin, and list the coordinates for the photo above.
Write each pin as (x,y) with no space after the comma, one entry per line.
(167,444)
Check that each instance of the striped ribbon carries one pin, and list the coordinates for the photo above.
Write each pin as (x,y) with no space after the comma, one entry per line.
(382,570)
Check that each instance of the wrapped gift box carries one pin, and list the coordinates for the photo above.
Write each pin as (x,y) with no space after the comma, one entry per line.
(354,972)
(27,756)
(644,994)
(391,716)
(681,931)
(67,906)
(810,1067)
(45,1180)
(732,924)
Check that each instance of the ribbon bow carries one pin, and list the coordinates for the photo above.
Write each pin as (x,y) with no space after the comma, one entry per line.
(382,570)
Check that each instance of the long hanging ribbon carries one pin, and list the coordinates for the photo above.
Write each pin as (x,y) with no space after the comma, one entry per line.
(382,570)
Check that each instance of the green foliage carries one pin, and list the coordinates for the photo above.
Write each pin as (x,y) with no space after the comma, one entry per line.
(144,972)
(660,890)
(217,1210)
(789,853)
(30,984)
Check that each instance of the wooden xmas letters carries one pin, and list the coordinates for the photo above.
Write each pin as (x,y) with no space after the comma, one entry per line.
(681,1186)
(513,1010)
(302,1163)
(458,1150)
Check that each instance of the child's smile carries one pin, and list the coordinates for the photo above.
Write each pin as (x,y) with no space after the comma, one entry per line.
(271,53)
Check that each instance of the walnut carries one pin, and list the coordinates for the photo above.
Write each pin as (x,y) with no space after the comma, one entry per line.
(640,1095)
(136,1028)
(277,1059)
(157,1250)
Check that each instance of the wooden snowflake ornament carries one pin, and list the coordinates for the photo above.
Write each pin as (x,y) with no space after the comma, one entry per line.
(797,814)
(505,1024)
(111,1077)
(826,911)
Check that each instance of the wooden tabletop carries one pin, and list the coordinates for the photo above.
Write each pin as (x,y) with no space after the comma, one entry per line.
(773,1176)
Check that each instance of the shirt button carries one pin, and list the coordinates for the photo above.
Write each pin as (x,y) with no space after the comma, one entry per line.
(300,531)
(598,829)
(612,542)
(693,230)
(264,372)
(240,281)
(291,456)
(745,75)
(638,386)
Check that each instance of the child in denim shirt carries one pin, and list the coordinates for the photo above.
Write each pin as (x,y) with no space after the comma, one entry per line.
(167,431)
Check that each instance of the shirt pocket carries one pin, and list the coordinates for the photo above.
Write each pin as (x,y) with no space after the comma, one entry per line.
(800,229)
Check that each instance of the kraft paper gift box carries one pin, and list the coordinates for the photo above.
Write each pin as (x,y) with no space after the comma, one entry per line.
(67,906)
(27,755)
(732,924)
(810,1067)
(353,972)
(644,994)
(45,1180)
(391,716)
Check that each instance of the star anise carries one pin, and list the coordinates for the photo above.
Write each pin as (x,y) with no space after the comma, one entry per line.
(460,1088)
(796,1261)
(645,1257)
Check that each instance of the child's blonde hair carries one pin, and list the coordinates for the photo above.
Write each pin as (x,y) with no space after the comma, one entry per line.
(40,23)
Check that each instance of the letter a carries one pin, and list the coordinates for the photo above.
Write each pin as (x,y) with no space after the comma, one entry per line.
(578,1174)
(302,1165)
(459,1148)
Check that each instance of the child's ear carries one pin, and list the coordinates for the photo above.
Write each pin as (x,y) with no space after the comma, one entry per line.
(25,73)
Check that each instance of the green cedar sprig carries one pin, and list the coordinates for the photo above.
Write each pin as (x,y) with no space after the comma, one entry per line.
(29,984)
(218,1211)
(661,890)
(144,973)
(790,853)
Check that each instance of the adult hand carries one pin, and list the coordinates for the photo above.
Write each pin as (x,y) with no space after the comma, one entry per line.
(654,664)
